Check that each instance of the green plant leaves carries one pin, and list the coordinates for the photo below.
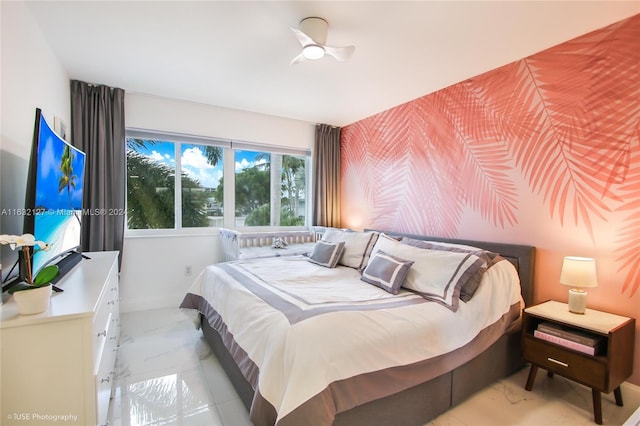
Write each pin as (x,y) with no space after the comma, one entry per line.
(45,276)
(21,287)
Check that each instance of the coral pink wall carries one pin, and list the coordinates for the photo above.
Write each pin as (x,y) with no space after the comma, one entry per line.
(543,151)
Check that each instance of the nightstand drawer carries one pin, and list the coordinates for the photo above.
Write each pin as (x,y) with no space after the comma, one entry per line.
(584,369)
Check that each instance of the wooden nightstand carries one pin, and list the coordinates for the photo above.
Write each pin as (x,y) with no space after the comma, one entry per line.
(602,372)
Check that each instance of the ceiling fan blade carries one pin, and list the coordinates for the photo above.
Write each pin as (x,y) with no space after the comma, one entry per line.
(298,59)
(340,53)
(302,37)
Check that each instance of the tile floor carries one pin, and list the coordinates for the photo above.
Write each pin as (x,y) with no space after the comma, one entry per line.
(161,380)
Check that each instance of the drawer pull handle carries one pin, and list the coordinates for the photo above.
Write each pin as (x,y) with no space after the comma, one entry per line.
(564,364)
(103,333)
(106,379)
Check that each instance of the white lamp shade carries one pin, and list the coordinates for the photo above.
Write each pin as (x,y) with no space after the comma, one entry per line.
(579,272)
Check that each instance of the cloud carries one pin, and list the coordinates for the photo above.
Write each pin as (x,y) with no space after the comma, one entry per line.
(208,178)
(194,157)
(244,163)
(157,157)
(195,165)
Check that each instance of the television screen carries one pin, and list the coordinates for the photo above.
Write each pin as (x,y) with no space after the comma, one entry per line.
(54,194)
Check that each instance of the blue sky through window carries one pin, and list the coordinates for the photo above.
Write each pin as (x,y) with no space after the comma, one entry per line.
(194,161)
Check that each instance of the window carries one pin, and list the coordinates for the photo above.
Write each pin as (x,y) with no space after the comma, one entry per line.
(151,169)
(269,189)
(263,186)
(153,191)
(202,194)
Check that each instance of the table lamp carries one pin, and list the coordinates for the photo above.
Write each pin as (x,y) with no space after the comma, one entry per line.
(579,273)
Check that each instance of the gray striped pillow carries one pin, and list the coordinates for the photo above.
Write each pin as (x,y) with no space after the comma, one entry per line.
(471,285)
(327,254)
(435,275)
(386,271)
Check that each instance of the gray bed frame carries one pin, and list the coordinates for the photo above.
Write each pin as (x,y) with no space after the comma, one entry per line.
(421,403)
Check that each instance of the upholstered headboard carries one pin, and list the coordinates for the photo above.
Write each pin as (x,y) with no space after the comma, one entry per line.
(522,257)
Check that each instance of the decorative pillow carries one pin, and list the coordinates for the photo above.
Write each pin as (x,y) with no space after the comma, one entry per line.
(469,288)
(326,254)
(436,275)
(357,249)
(386,271)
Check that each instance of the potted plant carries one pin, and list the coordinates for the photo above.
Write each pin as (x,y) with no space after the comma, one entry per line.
(33,293)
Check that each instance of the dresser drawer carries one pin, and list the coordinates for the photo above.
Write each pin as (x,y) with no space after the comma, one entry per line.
(101,324)
(104,382)
(107,313)
(585,369)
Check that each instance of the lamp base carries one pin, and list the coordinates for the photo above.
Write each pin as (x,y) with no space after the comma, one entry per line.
(577,301)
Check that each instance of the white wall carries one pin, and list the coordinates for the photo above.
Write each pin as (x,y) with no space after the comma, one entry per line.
(157,113)
(154,268)
(31,76)
(154,273)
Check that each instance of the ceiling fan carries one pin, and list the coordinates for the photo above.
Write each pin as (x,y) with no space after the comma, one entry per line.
(312,35)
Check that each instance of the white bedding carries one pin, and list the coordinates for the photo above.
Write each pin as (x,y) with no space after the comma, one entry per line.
(306,333)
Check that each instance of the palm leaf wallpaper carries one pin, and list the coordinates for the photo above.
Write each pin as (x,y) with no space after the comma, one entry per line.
(556,133)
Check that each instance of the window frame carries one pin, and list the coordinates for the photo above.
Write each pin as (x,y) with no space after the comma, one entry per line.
(228,166)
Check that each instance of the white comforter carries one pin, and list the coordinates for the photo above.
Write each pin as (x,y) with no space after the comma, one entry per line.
(304,334)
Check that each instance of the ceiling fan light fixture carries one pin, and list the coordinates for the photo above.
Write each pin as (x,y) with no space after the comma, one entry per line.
(313,51)
(312,36)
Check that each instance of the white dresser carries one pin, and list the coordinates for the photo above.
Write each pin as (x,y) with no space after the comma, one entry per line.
(58,366)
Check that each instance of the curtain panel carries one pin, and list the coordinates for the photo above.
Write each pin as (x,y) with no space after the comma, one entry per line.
(98,129)
(326,176)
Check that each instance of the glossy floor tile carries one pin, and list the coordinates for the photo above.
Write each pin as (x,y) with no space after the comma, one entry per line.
(161,380)
(165,375)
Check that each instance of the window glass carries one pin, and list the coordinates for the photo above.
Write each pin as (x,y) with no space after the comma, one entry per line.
(179,183)
(202,185)
(270,189)
(252,182)
(294,188)
(151,170)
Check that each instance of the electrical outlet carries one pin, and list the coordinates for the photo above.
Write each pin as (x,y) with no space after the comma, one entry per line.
(187,270)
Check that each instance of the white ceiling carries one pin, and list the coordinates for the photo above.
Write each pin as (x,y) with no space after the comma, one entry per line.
(236,54)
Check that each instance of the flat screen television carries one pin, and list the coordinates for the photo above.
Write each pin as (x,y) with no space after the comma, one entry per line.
(53,199)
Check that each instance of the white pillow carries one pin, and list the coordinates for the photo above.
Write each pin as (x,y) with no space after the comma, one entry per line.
(469,288)
(436,275)
(357,246)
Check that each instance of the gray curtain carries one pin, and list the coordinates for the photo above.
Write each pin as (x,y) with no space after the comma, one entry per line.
(326,176)
(97,128)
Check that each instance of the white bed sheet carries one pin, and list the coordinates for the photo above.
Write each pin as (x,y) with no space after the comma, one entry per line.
(300,355)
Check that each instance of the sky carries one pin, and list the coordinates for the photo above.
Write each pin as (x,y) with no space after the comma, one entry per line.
(194,162)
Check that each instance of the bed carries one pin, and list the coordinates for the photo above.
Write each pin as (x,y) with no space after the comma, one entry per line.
(305,343)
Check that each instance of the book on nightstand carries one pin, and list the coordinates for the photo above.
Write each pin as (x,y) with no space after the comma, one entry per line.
(569,333)
(589,349)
